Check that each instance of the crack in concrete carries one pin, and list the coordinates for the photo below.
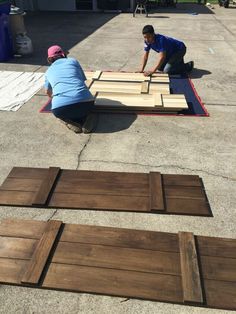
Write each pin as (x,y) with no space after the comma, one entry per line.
(82,150)
(162,166)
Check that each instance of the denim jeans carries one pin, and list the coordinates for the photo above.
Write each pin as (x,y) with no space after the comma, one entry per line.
(175,64)
(74,112)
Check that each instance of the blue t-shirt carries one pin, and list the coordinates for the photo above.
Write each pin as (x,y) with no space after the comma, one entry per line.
(163,43)
(66,79)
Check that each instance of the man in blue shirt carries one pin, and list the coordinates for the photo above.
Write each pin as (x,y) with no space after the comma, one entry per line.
(71,99)
(171,53)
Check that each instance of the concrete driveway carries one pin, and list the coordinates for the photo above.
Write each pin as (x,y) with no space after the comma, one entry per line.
(181,145)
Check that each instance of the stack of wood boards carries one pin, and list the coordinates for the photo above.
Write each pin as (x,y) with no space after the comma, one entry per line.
(118,191)
(133,92)
(178,268)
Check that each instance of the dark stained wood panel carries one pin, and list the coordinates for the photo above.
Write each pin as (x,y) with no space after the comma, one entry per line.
(121,262)
(104,190)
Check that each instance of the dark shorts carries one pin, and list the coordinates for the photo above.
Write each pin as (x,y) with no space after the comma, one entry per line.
(74,112)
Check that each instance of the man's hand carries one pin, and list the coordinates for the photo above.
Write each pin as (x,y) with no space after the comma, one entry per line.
(148,73)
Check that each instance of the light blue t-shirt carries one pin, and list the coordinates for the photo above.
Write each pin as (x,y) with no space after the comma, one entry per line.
(66,79)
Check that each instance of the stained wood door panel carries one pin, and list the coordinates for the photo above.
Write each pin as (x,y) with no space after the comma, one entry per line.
(140,192)
(149,265)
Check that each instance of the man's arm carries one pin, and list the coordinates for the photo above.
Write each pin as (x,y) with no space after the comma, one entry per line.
(161,59)
(144,61)
(49,92)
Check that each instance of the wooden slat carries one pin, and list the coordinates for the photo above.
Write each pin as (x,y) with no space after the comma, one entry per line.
(183,180)
(209,246)
(156,192)
(184,192)
(97,75)
(21,184)
(11,270)
(31,229)
(187,206)
(174,101)
(93,187)
(46,186)
(124,76)
(144,87)
(114,282)
(220,294)
(126,238)
(19,198)
(218,268)
(104,202)
(17,248)
(191,282)
(40,256)
(89,83)
(117,258)
(158,100)
(28,173)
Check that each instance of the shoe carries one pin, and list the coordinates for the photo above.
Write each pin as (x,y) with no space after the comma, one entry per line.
(90,123)
(76,127)
(190,66)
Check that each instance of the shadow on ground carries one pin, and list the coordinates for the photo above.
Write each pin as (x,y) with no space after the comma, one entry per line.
(111,123)
(64,28)
(198,73)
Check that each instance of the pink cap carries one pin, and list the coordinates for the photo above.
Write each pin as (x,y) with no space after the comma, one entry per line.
(55,51)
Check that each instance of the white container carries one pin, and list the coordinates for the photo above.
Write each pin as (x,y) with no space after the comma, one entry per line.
(23,45)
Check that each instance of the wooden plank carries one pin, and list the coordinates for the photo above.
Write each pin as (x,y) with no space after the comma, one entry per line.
(89,83)
(156,192)
(31,229)
(114,282)
(46,186)
(158,100)
(187,206)
(19,198)
(180,179)
(104,202)
(144,87)
(28,173)
(21,184)
(96,75)
(124,100)
(191,282)
(159,88)
(91,187)
(120,237)
(222,247)
(124,76)
(117,258)
(11,270)
(218,268)
(116,87)
(220,294)
(184,192)
(104,176)
(40,256)
(17,248)
(174,101)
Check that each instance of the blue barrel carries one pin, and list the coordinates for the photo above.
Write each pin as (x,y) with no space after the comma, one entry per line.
(6,47)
